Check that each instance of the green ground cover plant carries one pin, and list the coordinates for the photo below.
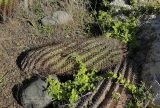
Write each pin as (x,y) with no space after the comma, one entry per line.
(122,23)
(140,94)
(70,91)
(122,29)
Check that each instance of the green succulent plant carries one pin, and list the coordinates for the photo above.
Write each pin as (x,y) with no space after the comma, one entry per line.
(70,91)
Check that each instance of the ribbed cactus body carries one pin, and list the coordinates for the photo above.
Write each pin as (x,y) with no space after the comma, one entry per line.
(98,53)
(102,96)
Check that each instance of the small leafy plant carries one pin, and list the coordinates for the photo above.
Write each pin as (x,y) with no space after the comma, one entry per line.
(122,23)
(116,96)
(117,24)
(139,93)
(70,91)
(118,27)
(133,2)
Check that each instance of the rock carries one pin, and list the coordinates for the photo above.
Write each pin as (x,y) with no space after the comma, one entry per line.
(58,18)
(120,3)
(156,87)
(151,66)
(35,95)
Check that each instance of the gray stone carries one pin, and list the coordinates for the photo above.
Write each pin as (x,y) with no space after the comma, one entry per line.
(151,67)
(35,95)
(156,87)
(58,18)
(120,3)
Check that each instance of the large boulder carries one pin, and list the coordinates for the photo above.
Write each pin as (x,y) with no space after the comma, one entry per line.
(35,95)
(32,93)
(150,36)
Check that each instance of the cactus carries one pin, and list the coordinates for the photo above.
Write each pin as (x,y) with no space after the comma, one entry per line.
(98,53)
(102,96)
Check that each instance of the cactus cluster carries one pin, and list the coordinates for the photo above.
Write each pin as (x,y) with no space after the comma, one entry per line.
(98,53)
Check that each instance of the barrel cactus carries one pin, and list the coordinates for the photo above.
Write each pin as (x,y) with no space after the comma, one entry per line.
(98,53)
